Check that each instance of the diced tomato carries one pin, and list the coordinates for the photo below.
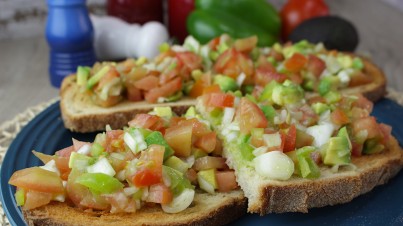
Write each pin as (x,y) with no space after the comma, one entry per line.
(226,181)
(126,66)
(37,179)
(214,43)
(296,78)
(199,129)
(159,193)
(356,148)
(315,65)
(220,100)
(108,77)
(133,93)
(212,89)
(309,117)
(295,63)
(34,199)
(147,83)
(218,148)
(290,139)
(246,45)
(114,140)
(207,142)
(266,74)
(357,113)
(119,202)
(65,152)
(150,172)
(249,116)
(191,174)
(359,78)
(62,163)
(316,99)
(209,162)
(147,121)
(369,124)
(191,60)
(197,89)
(364,103)
(165,90)
(278,56)
(316,157)
(386,131)
(232,63)
(257,141)
(180,139)
(79,144)
(339,117)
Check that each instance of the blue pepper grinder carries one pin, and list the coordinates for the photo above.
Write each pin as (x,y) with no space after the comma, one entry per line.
(70,35)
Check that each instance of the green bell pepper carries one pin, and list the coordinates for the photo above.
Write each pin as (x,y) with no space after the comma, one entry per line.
(237,18)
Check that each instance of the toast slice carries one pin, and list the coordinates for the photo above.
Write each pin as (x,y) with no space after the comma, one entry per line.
(80,114)
(207,209)
(299,194)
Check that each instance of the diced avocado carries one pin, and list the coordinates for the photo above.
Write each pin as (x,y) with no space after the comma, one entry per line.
(272,60)
(345,61)
(144,132)
(268,91)
(216,116)
(319,108)
(163,111)
(307,167)
(222,47)
(372,146)
(299,47)
(308,84)
(207,180)
(174,97)
(269,112)
(191,112)
(251,98)
(327,84)
(332,97)
(246,151)
(357,63)
(236,93)
(80,161)
(248,89)
(178,181)
(82,75)
(163,47)
(338,150)
(197,74)
(97,77)
(226,83)
(141,60)
(213,55)
(287,94)
(303,139)
(293,156)
(244,138)
(156,137)
(177,163)
(20,197)
(198,153)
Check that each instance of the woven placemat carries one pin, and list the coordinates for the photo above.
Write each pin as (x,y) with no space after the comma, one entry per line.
(10,129)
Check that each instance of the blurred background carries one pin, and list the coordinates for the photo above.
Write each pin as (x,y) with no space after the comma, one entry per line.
(24,52)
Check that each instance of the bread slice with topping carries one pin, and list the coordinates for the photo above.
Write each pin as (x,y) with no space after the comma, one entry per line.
(218,209)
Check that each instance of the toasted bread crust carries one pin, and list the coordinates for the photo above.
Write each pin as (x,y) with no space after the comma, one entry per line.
(218,209)
(299,195)
(80,114)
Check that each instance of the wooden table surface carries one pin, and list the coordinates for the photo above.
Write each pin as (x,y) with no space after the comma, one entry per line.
(24,79)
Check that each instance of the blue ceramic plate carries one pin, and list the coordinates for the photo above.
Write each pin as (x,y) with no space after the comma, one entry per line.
(382,206)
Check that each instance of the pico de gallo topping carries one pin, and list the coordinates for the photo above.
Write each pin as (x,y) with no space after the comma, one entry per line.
(159,159)
(281,131)
(231,64)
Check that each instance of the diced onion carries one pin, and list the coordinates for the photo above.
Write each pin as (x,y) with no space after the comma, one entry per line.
(129,191)
(85,149)
(240,79)
(320,133)
(51,166)
(274,165)
(272,140)
(260,151)
(228,115)
(205,185)
(102,166)
(180,202)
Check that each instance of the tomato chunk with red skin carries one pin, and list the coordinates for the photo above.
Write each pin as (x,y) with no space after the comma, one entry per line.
(296,63)
(364,103)
(339,117)
(220,100)
(266,74)
(191,60)
(165,90)
(315,65)
(159,193)
(180,139)
(367,124)
(207,142)
(34,199)
(226,181)
(146,121)
(37,179)
(246,45)
(147,83)
(150,171)
(290,138)
(249,116)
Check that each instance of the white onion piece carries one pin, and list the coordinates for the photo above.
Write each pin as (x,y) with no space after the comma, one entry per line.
(85,149)
(180,202)
(274,165)
(102,166)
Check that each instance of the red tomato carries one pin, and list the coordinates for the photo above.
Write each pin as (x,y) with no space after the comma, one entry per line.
(159,193)
(191,60)
(209,162)
(147,121)
(339,117)
(34,199)
(150,172)
(296,11)
(220,100)
(65,152)
(200,85)
(165,90)
(199,129)
(250,116)
(212,89)
(246,45)
(147,83)
(62,163)
(290,139)
(265,74)
(315,65)
(356,148)
(191,175)
(78,144)
(114,140)
(232,63)
(180,139)
(207,142)
(369,124)
(133,93)
(295,63)
(386,131)
(108,77)
(37,179)
(364,103)
(226,181)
